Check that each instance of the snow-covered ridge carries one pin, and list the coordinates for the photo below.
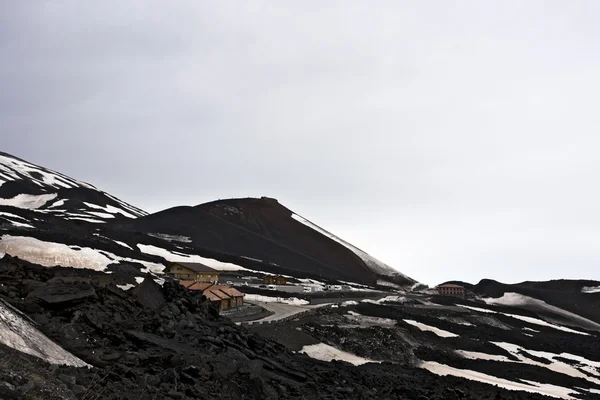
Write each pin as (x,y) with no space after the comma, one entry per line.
(20,334)
(512,299)
(49,184)
(531,320)
(15,169)
(374,264)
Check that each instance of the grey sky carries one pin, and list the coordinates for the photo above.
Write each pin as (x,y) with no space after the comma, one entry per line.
(452,140)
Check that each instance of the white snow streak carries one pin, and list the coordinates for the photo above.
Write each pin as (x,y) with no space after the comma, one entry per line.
(57,204)
(123,244)
(374,264)
(546,389)
(367,320)
(556,366)
(28,201)
(590,289)
(95,221)
(424,327)
(10,215)
(395,299)
(324,352)
(21,225)
(531,320)
(474,355)
(110,210)
(268,299)
(170,256)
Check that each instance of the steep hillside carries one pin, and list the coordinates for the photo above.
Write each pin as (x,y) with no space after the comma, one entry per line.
(52,219)
(264,230)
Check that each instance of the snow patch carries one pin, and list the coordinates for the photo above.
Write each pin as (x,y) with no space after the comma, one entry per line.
(474,355)
(126,286)
(20,334)
(590,289)
(57,204)
(21,225)
(531,320)
(108,209)
(170,256)
(532,387)
(86,220)
(429,328)
(123,244)
(50,254)
(324,352)
(100,214)
(368,320)
(556,366)
(395,299)
(10,215)
(173,238)
(268,299)
(28,201)
(483,310)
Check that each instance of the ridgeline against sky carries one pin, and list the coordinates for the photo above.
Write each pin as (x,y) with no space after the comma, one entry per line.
(449,141)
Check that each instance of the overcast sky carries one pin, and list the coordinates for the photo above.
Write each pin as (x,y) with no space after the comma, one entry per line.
(450,139)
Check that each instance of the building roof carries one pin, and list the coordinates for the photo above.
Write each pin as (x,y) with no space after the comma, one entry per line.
(211,296)
(217,292)
(232,292)
(200,286)
(450,285)
(196,267)
(213,292)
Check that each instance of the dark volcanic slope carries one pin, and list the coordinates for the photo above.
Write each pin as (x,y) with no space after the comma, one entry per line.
(262,229)
(166,342)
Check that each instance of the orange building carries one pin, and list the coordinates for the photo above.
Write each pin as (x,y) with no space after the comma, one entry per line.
(450,289)
(225,297)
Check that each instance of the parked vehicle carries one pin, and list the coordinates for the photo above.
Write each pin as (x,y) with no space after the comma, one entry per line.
(263,286)
(230,283)
(307,289)
(272,287)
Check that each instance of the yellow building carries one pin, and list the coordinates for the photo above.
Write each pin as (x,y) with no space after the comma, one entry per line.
(192,272)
